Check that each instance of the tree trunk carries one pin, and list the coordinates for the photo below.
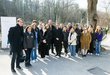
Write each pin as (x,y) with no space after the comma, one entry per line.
(92,12)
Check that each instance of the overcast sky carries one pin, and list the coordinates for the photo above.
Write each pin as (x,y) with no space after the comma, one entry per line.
(100,6)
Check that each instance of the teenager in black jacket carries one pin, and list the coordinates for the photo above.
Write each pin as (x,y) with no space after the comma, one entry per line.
(52,31)
(58,38)
(28,44)
(44,41)
(65,40)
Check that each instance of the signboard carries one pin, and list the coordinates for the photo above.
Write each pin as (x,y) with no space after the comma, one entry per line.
(6,23)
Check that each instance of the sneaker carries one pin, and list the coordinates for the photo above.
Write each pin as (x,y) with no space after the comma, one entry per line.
(67,56)
(83,55)
(36,59)
(33,61)
(18,67)
(29,64)
(76,55)
(13,70)
(47,56)
(42,59)
(53,53)
(26,65)
(91,54)
(97,54)
(57,56)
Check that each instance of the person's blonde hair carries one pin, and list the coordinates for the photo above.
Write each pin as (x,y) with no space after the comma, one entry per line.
(32,24)
(98,29)
(19,19)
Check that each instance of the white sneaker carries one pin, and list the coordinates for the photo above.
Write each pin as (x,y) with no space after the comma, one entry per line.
(47,56)
(36,60)
(76,55)
(42,59)
(91,54)
(33,61)
(97,54)
(57,56)
(67,56)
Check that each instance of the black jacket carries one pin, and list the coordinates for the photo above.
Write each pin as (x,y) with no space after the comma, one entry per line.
(52,32)
(44,36)
(15,37)
(28,40)
(38,34)
(78,31)
(58,34)
(65,36)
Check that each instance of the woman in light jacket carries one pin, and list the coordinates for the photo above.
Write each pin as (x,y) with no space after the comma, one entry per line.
(72,38)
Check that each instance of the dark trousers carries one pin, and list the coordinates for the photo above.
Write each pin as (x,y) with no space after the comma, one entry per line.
(47,50)
(91,50)
(58,49)
(52,47)
(10,50)
(28,53)
(42,49)
(78,46)
(65,44)
(15,57)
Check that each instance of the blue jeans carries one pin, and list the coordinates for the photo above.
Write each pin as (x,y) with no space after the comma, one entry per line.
(33,54)
(72,50)
(98,47)
(68,48)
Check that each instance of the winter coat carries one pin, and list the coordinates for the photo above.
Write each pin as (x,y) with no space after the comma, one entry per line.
(85,40)
(78,31)
(28,40)
(58,37)
(65,36)
(52,32)
(15,37)
(99,36)
(72,38)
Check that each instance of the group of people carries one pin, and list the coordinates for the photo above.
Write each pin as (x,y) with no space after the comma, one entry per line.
(44,37)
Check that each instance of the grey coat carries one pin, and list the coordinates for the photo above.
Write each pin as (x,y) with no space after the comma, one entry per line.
(28,40)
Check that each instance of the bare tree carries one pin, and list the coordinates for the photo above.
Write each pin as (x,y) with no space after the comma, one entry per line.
(106,7)
(92,12)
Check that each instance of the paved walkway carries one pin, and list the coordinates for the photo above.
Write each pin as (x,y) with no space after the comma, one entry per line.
(90,65)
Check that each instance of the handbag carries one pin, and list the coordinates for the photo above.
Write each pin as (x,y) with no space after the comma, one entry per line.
(22,57)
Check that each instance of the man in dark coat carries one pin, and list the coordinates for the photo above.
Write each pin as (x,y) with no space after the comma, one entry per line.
(58,39)
(78,31)
(44,42)
(15,37)
(52,31)
(65,39)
